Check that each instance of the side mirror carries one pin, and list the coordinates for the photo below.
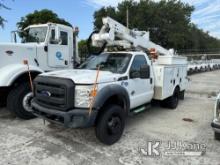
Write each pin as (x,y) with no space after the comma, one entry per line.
(55,41)
(134,74)
(145,72)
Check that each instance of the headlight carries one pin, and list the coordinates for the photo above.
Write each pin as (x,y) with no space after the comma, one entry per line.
(83,96)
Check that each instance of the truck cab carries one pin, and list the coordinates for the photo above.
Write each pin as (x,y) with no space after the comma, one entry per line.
(44,47)
(105,89)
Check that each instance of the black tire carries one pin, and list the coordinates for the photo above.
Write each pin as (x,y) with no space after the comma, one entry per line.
(3,97)
(189,72)
(173,101)
(2,101)
(15,101)
(163,104)
(217,136)
(182,95)
(110,124)
(195,70)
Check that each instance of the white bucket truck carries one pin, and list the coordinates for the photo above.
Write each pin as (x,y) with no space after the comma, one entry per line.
(45,47)
(110,86)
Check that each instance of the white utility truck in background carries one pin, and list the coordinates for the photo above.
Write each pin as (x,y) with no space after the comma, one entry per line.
(45,47)
(110,86)
(216,122)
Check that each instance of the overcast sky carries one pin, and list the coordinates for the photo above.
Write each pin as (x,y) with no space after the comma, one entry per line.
(80,13)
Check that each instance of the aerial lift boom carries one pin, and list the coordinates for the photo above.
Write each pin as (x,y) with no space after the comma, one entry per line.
(113,33)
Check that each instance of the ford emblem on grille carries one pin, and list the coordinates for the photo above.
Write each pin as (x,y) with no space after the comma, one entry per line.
(45,93)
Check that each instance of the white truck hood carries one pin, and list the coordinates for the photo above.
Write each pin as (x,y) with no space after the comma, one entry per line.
(84,76)
(15,53)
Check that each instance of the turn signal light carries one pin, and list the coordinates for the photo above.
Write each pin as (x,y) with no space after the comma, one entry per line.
(93,93)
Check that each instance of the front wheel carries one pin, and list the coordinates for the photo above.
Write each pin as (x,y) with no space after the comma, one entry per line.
(110,124)
(2,100)
(3,96)
(18,101)
(217,136)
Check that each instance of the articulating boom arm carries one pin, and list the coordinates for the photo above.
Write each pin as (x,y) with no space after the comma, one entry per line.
(113,33)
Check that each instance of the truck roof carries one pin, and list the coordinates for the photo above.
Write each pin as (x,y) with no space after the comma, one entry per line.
(49,24)
(127,52)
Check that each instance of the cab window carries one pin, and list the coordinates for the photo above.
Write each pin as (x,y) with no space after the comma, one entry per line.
(64,38)
(138,61)
(52,37)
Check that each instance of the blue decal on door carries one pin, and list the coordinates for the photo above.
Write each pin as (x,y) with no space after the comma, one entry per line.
(59,56)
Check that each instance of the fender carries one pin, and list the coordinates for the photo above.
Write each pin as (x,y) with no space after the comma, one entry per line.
(177,86)
(105,93)
(10,73)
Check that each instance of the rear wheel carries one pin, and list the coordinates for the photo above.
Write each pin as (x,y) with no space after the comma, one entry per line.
(173,101)
(110,124)
(18,101)
(182,95)
(217,136)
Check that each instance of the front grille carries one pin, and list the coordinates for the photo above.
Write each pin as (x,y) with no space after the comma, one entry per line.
(54,93)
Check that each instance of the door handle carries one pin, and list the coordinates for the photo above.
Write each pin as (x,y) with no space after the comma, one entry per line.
(35,60)
(151,80)
(132,93)
(66,62)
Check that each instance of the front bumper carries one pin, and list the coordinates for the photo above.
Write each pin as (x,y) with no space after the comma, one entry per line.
(76,118)
(216,126)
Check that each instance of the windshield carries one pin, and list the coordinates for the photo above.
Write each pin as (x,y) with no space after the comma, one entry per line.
(35,34)
(113,62)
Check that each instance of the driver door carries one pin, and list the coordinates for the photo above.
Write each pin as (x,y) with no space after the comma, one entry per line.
(58,51)
(140,90)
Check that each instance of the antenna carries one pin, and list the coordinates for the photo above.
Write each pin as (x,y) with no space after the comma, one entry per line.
(127,15)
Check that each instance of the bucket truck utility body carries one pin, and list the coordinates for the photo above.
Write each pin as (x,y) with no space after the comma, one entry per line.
(111,85)
(45,47)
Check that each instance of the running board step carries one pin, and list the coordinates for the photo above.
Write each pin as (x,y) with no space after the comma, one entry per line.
(140,109)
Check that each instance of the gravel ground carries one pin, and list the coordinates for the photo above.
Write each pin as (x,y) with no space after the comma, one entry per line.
(35,142)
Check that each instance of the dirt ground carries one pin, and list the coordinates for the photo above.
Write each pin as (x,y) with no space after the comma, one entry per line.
(32,142)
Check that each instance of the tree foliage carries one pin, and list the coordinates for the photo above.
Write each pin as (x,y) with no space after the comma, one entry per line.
(3,6)
(169,23)
(40,17)
(2,21)
(83,51)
